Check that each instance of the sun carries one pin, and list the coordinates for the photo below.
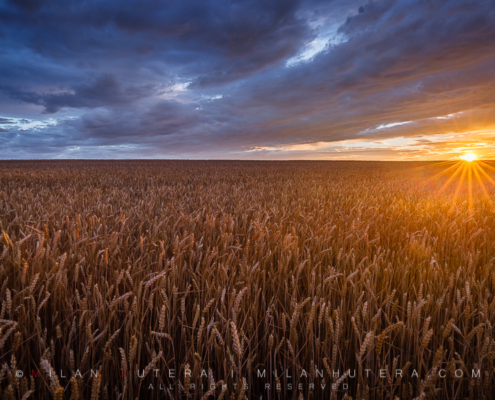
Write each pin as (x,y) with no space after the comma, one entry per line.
(469,157)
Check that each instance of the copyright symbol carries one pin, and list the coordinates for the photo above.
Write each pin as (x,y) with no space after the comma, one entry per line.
(19,374)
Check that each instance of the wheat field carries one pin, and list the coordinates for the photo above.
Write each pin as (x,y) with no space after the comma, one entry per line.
(234,280)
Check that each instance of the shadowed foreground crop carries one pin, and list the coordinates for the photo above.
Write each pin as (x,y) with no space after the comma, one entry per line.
(185,279)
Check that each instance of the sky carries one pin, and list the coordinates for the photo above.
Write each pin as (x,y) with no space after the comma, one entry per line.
(252,79)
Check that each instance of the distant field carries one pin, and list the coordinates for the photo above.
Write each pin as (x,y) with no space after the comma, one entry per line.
(158,279)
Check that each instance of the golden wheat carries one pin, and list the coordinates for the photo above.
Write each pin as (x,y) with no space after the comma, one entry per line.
(118,273)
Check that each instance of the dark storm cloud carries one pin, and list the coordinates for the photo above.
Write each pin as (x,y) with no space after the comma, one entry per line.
(161,119)
(103,90)
(28,5)
(115,73)
(216,40)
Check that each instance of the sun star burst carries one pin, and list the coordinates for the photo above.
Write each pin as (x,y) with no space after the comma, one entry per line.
(469,157)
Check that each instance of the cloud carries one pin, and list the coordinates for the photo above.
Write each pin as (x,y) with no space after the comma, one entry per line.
(27,5)
(216,41)
(212,78)
(137,126)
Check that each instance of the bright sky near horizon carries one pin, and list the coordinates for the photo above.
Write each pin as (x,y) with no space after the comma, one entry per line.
(254,79)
